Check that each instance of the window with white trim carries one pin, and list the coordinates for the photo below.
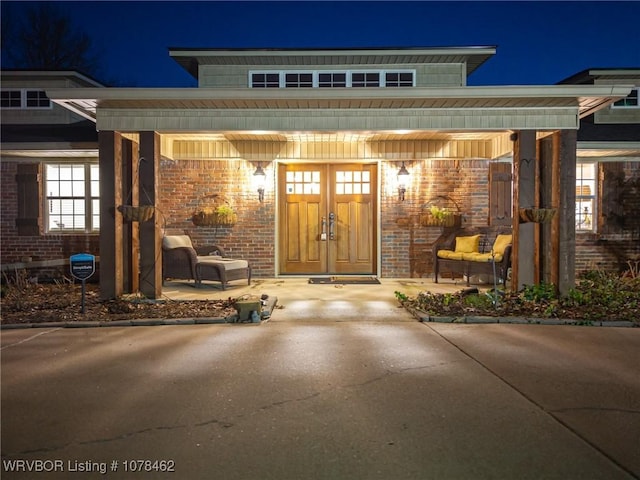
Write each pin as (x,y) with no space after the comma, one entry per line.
(630,101)
(265,80)
(23,98)
(332,79)
(398,79)
(72,194)
(299,80)
(586,177)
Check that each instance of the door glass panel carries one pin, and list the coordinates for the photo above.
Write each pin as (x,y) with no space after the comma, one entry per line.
(353,182)
(303,183)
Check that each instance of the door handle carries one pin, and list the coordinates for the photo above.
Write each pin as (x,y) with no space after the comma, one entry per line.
(323,234)
(332,226)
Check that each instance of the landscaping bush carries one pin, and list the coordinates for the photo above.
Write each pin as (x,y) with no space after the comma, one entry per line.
(598,296)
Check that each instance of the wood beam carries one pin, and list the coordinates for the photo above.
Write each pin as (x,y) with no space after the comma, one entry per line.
(111,248)
(150,232)
(567,211)
(524,195)
(130,237)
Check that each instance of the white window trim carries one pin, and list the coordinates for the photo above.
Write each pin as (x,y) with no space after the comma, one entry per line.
(593,197)
(637,105)
(382,73)
(23,99)
(88,200)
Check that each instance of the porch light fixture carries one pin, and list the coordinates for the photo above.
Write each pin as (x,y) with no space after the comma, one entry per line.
(403,180)
(259,180)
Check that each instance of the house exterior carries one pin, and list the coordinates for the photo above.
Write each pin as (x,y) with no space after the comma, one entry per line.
(41,227)
(331,129)
(608,176)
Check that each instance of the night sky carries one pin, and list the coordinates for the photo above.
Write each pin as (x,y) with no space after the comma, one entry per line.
(537,42)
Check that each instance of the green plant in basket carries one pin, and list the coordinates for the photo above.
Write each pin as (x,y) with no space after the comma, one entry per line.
(224,210)
(442,215)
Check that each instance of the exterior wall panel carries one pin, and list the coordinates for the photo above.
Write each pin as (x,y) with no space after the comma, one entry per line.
(429,75)
(333,119)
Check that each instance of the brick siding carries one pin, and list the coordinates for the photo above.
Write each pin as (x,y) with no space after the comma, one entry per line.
(405,248)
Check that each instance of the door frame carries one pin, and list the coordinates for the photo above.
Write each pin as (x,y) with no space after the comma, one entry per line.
(377,233)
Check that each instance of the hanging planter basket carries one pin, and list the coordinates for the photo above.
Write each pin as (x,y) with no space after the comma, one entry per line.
(212,211)
(441,211)
(137,213)
(140,213)
(537,215)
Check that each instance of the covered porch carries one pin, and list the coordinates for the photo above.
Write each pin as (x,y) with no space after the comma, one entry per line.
(168,148)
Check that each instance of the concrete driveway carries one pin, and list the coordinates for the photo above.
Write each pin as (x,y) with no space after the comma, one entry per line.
(322,400)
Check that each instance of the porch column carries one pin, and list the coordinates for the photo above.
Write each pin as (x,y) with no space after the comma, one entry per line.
(150,232)
(567,211)
(524,268)
(130,237)
(549,148)
(111,248)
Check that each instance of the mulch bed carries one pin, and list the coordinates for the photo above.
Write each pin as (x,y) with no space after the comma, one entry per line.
(62,303)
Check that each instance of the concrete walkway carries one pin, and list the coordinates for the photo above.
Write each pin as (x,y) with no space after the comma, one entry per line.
(301,301)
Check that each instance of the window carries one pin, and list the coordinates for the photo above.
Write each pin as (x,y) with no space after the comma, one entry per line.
(399,79)
(72,196)
(304,80)
(630,101)
(11,99)
(329,79)
(332,80)
(303,183)
(365,79)
(353,183)
(585,196)
(265,80)
(25,99)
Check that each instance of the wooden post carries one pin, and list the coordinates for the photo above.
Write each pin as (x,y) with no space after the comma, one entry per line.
(150,232)
(110,158)
(130,237)
(524,195)
(567,211)
(549,198)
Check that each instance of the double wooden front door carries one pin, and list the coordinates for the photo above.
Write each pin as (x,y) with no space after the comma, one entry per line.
(327,218)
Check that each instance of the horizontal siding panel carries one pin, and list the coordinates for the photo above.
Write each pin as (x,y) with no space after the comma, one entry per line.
(334,119)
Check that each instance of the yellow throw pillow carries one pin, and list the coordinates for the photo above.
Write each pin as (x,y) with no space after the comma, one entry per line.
(501,243)
(468,244)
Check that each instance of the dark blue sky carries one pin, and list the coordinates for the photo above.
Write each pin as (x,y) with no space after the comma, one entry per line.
(537,42)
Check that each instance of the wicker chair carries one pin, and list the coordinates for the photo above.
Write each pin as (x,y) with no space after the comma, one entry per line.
(477,263)
(181,260)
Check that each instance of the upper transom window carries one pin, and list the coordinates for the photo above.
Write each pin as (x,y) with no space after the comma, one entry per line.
(332,79)
(630,101)
(22,98)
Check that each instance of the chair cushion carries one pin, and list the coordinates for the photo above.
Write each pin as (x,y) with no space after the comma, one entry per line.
(482,257)
(501,243)
(450,255)
(176,241)
(468,244)
(227,263)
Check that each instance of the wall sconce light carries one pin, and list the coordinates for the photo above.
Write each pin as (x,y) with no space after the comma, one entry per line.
(259,181)
(403,181)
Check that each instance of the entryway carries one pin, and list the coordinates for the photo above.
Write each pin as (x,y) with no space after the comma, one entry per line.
(327,218)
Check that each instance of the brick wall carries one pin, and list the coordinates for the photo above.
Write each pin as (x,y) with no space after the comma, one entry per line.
(406,245)
(14,247)
(405,248)
(611,248)
(183,187)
